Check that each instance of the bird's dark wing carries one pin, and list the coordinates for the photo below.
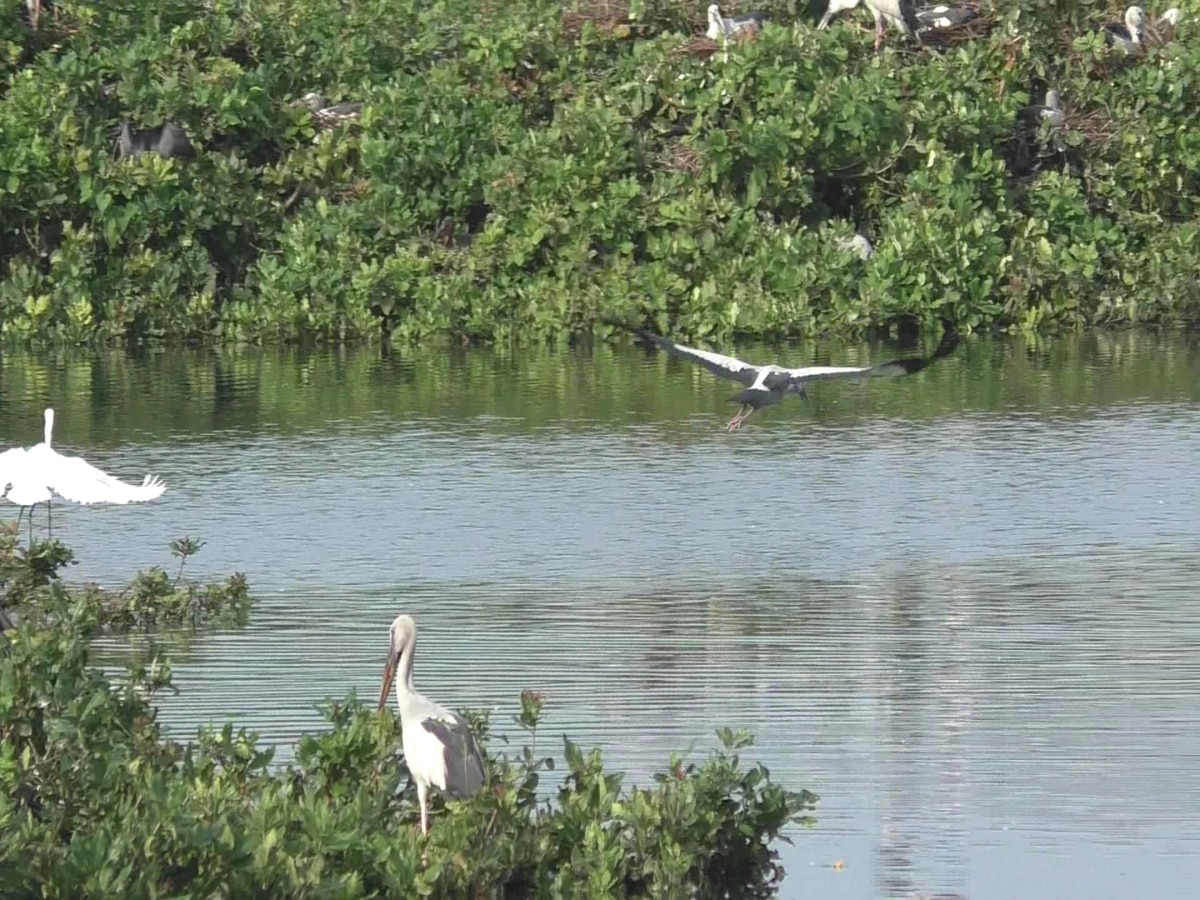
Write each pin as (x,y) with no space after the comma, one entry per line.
(720,365)
(891,368)
(464,762)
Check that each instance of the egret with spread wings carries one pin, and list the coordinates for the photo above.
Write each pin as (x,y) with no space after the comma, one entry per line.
(768,385)
(33,475)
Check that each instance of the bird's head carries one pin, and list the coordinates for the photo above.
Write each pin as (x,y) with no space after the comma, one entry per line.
(1171,17)
(1135,19)
(401,637)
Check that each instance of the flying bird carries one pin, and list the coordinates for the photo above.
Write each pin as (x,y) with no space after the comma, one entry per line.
(439,748)
(768,385)
(29,476)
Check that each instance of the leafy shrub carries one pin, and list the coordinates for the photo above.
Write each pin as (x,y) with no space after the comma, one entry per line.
(519,170)
(94,801)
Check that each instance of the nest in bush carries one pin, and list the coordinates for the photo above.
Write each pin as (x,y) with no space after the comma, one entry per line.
(973,29)
(606,17)
(1097,127)
(679,156)
(1117,58)
(698,45)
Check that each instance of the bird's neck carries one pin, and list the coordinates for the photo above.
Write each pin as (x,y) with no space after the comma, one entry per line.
(404,685)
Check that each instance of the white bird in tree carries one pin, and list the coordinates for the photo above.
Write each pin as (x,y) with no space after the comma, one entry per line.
(1127,35)
(439,747)
(31,476)
(726,27)
(900,13)
(768,385)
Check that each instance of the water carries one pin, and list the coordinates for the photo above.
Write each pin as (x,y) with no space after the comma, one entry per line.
(961,607)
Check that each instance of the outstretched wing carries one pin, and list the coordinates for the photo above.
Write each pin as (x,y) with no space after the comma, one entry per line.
(889,369)
(720,365)
(460,753)
(75,479)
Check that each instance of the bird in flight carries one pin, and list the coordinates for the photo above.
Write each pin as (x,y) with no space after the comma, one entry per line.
(768,385)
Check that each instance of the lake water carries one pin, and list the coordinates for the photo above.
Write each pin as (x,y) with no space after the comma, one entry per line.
(962,607)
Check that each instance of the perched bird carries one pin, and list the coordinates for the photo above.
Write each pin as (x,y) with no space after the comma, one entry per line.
(720,27)
(1051,111)
(168,140)
(1164,29)
(1127,35)
(767,385)
(31,476)
(943,16)
(900,13)
(858,244)
(328,114)
(439,747)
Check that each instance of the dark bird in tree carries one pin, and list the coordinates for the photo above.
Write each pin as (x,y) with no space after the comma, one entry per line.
(767,385)
(168,140)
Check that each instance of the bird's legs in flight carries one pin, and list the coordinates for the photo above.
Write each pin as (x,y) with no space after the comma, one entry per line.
(743,414)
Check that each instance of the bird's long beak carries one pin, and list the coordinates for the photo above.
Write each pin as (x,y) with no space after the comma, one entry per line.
(824,23)
(389,676)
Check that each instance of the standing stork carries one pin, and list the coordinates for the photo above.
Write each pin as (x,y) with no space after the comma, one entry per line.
(900,13)
(768,385)
(439,748)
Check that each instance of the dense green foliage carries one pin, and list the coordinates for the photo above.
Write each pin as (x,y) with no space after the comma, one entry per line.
(152,600)
(518,171)
(95,802)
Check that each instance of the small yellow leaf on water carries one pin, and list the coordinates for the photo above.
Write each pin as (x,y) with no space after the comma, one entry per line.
(838,866)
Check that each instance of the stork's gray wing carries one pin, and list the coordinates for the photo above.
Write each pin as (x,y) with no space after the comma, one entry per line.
(891,368)
(464,762)
(720,365)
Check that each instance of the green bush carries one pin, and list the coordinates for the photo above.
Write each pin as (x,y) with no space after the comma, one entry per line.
(94,801)
(516,174)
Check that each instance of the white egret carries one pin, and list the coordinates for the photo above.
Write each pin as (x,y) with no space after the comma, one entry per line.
(31,476)
(439,748)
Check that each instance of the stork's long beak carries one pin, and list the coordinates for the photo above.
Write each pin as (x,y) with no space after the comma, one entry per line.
(824,23)
(389,676)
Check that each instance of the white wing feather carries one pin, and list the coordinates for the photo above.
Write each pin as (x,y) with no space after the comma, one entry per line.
(75,479)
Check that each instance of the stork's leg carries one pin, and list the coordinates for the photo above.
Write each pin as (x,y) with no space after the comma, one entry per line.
(878,37)
(49,522)
(421,793)
(743,414)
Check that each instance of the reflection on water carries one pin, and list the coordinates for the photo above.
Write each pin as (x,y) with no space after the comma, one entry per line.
(960,607)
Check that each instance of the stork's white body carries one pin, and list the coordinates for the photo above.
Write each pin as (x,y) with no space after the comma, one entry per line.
(439,748)
(900,13)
